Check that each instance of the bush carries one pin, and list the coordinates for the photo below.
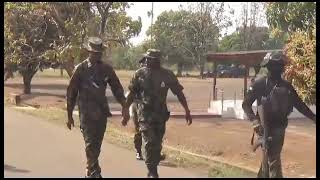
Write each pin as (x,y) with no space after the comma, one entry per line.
(301,70)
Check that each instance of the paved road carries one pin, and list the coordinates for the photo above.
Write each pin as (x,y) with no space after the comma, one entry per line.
(37,148)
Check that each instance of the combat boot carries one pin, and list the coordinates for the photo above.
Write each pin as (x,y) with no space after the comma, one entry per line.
(139,155)
(152,175)
(93,174)
(153,172)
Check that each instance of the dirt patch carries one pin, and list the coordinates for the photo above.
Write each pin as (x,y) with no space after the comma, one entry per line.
(229,140)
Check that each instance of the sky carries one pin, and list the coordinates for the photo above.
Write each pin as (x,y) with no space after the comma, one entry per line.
(141,9)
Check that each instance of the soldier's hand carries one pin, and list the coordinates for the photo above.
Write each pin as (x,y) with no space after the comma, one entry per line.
(124,122)
(125,116)
(188,118)
(257,127)
(70,123)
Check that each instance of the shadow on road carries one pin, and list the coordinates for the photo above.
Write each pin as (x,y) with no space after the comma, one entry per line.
(14,169)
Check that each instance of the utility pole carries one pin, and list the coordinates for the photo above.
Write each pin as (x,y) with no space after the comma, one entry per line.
(151,23)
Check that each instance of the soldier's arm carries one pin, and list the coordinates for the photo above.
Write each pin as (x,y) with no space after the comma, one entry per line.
(177,89)
(300,105)
(250,97)
(183,101)
(133,89)
(116,87)
(72,91)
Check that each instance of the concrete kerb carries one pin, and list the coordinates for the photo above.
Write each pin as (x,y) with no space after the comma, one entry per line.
(173,114)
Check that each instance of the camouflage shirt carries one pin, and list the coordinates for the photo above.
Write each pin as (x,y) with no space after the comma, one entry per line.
(150,89)
(89,83)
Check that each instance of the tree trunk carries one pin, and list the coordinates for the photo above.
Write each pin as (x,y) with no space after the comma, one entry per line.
(69,66)
(69,69)
(201,62)
(103,25)
(61,72)
(201,70)
(27,77)
(8,74)
(179,69)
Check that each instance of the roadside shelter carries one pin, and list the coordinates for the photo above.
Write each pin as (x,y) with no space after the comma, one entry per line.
(246,58)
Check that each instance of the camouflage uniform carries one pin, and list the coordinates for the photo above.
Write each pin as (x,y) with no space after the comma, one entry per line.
(278,122)
(134,115)
(88,83)
(137,135)
(150,88)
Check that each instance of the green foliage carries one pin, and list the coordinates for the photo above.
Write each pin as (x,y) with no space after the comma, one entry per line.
(301,70)
(288,17)
(261,39)
(185,36)
(127,58)
(297,20)
(231,42)
(28,33)
(169,36)
(56,31)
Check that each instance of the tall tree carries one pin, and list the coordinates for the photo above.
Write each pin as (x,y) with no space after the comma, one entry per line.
(250,27)
(297,20)
(206,24)
(38,35)
(73,18)
(29,34)
(169,37)
(289,17)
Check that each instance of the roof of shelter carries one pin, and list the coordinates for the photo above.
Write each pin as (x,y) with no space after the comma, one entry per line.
(243,57)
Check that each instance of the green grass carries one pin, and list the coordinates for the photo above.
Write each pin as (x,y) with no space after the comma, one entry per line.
(114,135)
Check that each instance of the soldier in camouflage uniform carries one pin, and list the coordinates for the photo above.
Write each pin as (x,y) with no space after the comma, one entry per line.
(88,83)
(148,88)
(134,115)
(274,62)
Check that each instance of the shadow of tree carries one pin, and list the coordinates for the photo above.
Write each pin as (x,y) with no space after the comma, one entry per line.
(14,169)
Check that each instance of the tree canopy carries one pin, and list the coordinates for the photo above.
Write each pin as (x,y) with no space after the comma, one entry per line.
(297,20)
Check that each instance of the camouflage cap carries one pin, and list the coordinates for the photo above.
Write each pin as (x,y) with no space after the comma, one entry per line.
(153,53)
(276,56)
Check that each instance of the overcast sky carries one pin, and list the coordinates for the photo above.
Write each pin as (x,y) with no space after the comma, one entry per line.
(141,9)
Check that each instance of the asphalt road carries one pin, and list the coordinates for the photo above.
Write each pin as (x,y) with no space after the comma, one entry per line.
(37,148)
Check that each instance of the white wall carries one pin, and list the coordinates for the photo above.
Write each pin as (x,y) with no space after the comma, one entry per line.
(233,109)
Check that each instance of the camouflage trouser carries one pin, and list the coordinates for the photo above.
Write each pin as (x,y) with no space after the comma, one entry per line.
(93,133)
(274,153)
(152,137)
(137,135)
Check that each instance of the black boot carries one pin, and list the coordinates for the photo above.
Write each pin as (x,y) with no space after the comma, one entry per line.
(94,174)
(153,172)
(139,155)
